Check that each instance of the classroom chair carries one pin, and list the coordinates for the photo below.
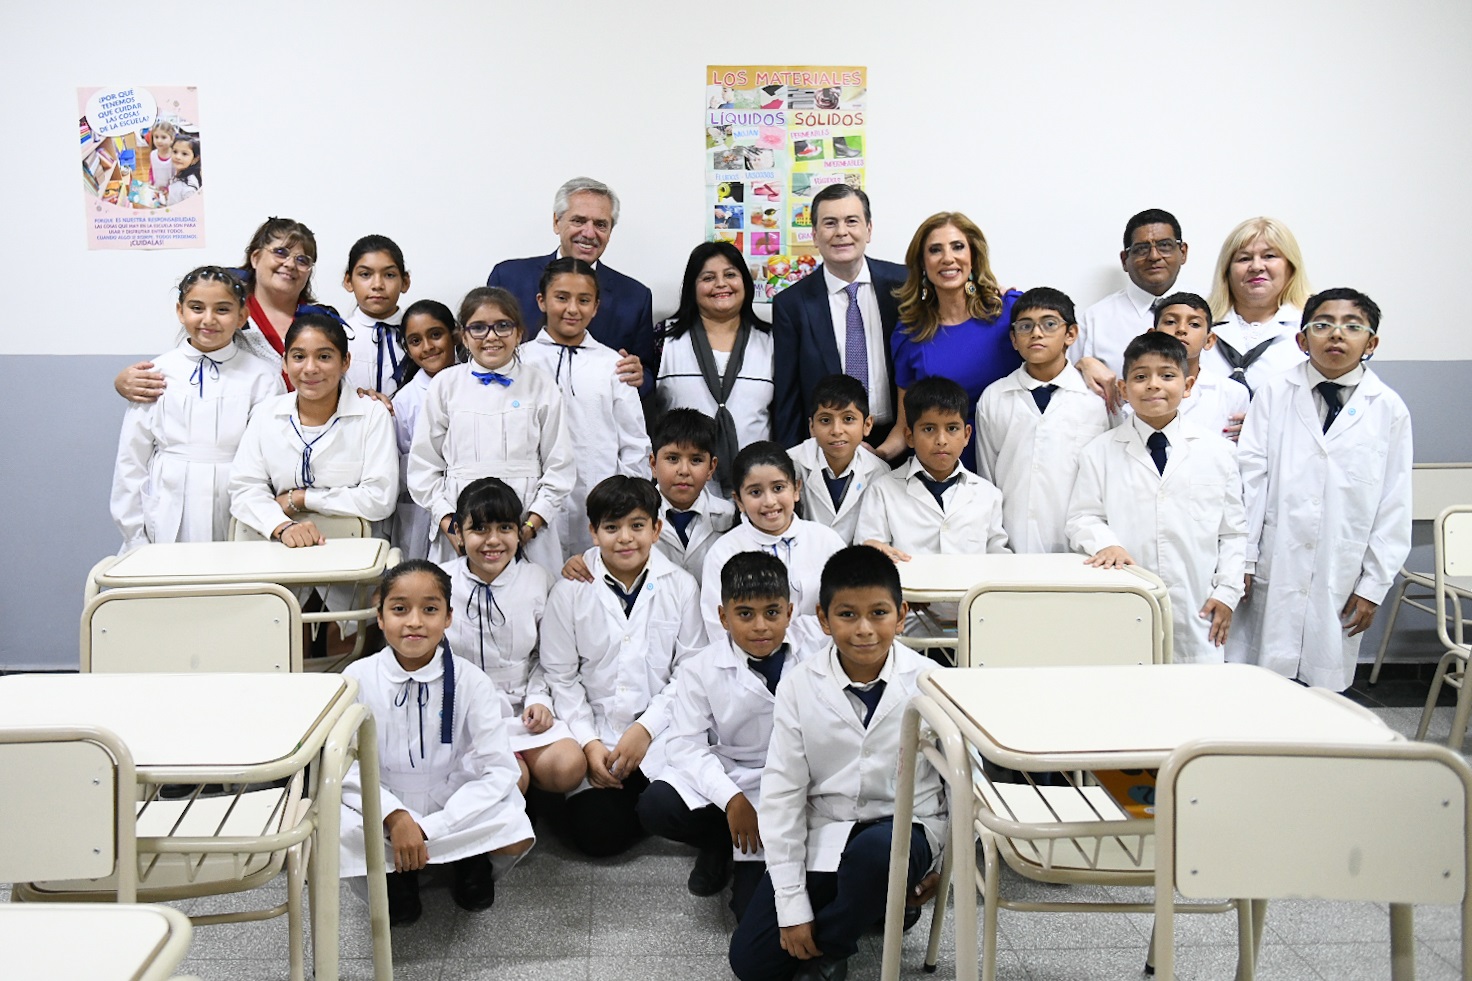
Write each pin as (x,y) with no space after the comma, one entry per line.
(1453,534)
(1434,488)
(244,627)
(66,808)
(1260,821)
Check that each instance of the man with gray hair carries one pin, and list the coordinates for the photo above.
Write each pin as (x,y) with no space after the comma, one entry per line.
(583,215)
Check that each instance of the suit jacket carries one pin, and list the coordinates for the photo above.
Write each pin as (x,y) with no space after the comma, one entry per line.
(805,348)
(625,319)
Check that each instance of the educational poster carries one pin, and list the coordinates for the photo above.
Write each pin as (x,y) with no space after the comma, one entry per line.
(141,169)
(775,136)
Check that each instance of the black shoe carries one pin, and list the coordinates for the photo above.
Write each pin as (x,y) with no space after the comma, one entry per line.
(912,916)
(823,969)
(711,873)
(403,898)
(474,888)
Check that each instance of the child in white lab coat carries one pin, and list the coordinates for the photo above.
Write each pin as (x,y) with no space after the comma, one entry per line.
(835,464)
(171,480)
(683,463)
(1326,466)
(609,651)
(717,739)
(767,492)
(828,791)
(604,415)
(1216,403)
(1162,493)
(495,416)
(447,774)
(500,597)
(1031,425)
(377,277)
(432,343)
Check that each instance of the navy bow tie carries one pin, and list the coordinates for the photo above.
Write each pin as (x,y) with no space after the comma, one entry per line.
(486,377)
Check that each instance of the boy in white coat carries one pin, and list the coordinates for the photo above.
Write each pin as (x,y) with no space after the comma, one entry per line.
(1326,466)
(722,722)
(827,794)
(1216,403)
(835,465)
(1031,425)
(1158,492)
(609,651)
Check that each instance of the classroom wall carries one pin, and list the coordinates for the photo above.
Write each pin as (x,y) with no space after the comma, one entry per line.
(448,126)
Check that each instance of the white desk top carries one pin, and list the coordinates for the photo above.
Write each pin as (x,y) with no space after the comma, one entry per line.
(340,560)
(225,722)
(1134,716)
(958,573)
(87,941)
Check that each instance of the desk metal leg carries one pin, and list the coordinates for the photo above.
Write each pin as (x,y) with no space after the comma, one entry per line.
(383,964)
(1402,943)
(899,849)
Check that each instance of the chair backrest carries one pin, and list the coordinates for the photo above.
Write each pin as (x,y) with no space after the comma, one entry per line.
(1453,561)
(67,806)
(1385,822)
(1437,486)
(1003,625)
(330,525)
(243,627)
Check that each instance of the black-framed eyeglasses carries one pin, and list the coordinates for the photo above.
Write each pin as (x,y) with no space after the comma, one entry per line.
(1166,247)
(302,260)
(478,329)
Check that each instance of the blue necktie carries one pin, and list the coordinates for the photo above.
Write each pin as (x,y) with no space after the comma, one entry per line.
(870,697)
(681,520)
(383,337)
(855,347)
(769,667)
(938,488)
(197,378)
(1157,443)
(1330,392)
(786,543)
(837,488)
(627,598)
(486,377)
(1042,395)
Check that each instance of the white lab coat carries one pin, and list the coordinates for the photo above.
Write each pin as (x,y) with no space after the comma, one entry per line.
(900,511)
(604,418)
(866,467)
(463,795)
(1282,355)
(805,547)
(375,352)
(1032,456)
(1327,517)
(517,432)
(411,522)
(607,671)
(716,516)
(825,772)
(171,481)
(1186,526)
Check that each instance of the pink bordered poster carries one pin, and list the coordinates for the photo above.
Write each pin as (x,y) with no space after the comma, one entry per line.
(142,176)
(774,137)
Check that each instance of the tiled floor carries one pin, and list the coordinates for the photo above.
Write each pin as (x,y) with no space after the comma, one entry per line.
(560,917)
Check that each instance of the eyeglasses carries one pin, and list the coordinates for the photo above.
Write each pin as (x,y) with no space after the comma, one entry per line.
(1166,247)
(479,329)
(1049,325)
(1320,328)
(301,258)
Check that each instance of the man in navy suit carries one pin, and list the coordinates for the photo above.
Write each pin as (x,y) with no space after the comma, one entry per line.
(583,215)
(836,320)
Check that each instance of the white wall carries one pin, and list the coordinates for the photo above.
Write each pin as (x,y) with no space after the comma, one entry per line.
(448,126)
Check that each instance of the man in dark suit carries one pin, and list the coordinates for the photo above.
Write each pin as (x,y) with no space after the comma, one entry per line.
(583,215)
(836,320)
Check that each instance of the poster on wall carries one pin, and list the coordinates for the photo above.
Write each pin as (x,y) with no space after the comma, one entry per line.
(141,176)
(774,136)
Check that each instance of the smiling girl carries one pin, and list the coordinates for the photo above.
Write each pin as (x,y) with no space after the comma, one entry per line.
(377,277)
(431,343)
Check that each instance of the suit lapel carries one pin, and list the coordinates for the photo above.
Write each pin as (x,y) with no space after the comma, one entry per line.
(820,322)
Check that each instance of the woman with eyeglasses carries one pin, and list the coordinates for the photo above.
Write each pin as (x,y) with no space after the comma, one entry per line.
(1258,290)
(953,319)
(278,279)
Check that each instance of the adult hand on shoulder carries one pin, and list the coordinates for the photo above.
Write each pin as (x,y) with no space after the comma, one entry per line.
(1101,381)
(1220,615)
(895,555)
(576,569)
(741,817)
(1358,614)
(1113,557)
(630,369)
(798,941)
(379,397)
(598,774)
(1233,429)
(140,383)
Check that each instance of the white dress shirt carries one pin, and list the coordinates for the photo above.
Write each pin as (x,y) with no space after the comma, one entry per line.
(1107,327)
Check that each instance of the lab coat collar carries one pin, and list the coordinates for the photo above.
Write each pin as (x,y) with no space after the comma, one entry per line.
(1134,434)
(349,403)
(838,681)
(360,319)
(1304,377)
(1069,378)
(394,672)
(193,353)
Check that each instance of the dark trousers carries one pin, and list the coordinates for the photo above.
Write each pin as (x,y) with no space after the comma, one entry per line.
(845,904)
(602,822)
(664,812)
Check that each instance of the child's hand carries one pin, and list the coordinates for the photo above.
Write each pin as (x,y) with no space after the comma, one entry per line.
(1233,429)
(924,890)
(140,383)
(1247,587)
(1358,614)
(598,774)
(798,941)
(382,399)
(407,840)
(630,369)
(536,718)
(302,534)
(741,817)
(577,570)
(629,752)
(1220,616)
(447,524)
(895,555)
(531,526)
(1113,557)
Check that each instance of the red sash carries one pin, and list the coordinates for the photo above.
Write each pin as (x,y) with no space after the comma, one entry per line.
(263,324)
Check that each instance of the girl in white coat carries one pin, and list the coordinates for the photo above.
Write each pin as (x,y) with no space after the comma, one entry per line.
(377,277)
(432,343)
(1328,490)
(448,777)
(172,476)
(494,417)
(501,597)
(604,416)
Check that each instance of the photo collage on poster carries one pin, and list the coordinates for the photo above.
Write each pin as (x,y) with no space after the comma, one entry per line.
(774,137)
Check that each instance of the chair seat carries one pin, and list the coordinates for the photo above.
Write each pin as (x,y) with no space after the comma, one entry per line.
(1048,855)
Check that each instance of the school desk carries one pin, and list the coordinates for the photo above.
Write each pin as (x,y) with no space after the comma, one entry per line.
(92,941)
